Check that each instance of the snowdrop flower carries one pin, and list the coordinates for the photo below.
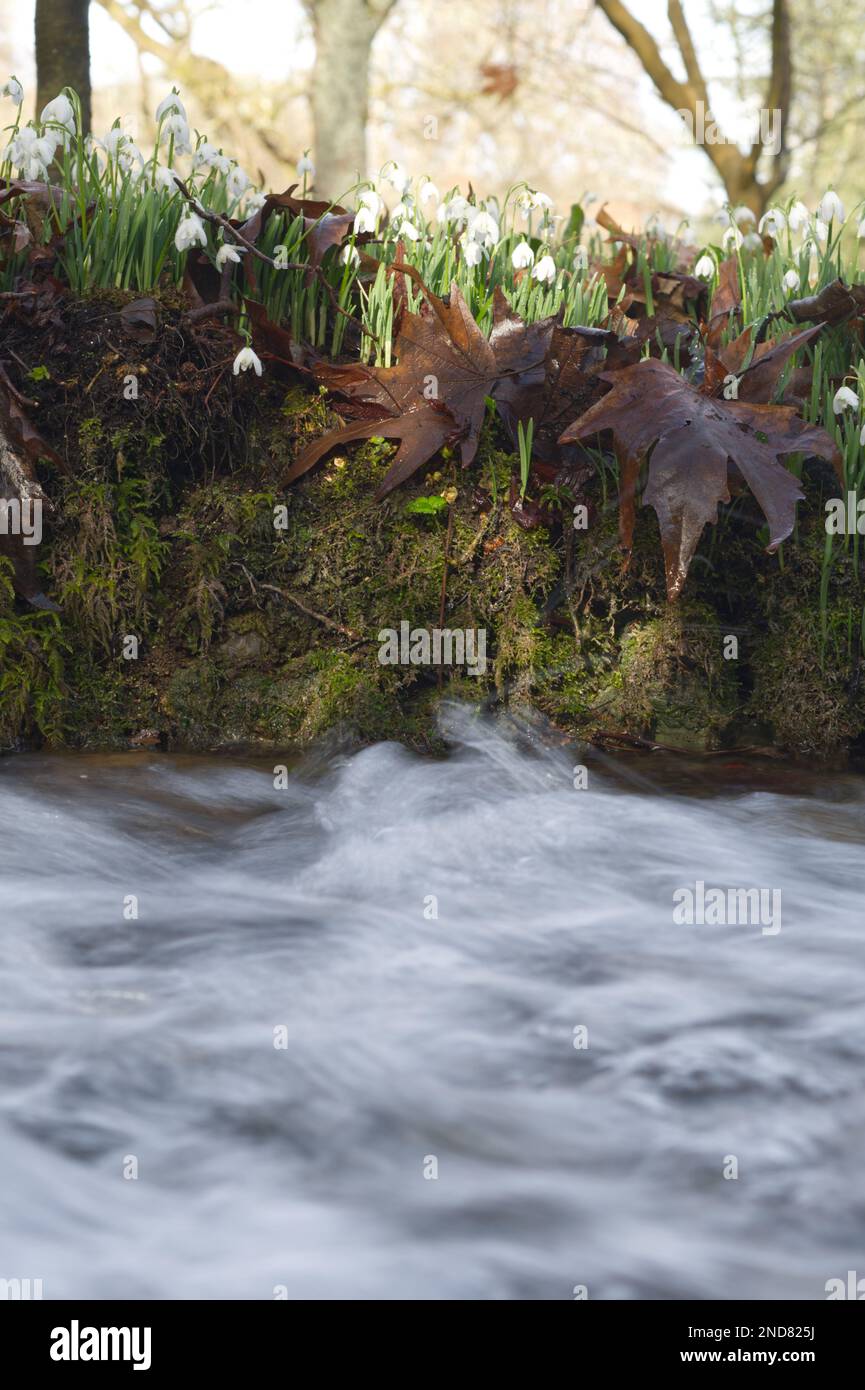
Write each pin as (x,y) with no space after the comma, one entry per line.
(238,181)
(772,222)
(845,399)
(797,216)
(60,112)
(190,232)
(791,280)
(254,203)
(245,359)
(530,200)
(175,128)
(409,231)
(862,436)
(305,166)
(456,209)
(860,230)
(484,228)
(831,208)
(31,151)
(398,214)
(163,178)
(732,237)
(742,215)
(226,253)
(396,176)
(370,199)
(752,242)
(170,105)
(207,156)
(428,191)
(545,270)
(705,267)
(365,220)
(13,90)
(349,255)
(522,256)
(472,251)
(821,230)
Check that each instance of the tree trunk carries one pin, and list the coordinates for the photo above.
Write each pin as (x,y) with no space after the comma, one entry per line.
(344,31)
(63,52)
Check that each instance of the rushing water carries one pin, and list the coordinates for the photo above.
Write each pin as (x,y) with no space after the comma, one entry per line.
(412,1038)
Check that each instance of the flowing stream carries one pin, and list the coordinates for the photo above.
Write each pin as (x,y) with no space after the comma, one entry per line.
(334,1055)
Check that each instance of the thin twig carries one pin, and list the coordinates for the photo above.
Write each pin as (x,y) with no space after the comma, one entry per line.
(312,613)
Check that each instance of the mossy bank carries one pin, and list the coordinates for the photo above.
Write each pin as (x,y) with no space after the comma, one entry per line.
(203,606)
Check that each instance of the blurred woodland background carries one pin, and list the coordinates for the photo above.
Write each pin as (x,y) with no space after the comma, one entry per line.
(578,97)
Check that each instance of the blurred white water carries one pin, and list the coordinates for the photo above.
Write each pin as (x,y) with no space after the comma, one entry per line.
(411,1038)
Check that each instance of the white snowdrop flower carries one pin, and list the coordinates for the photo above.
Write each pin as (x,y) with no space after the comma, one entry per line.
(394,174)
(742,215)
(791,280)
(203,157)
(845,399)
(545,270)
(428,191)
(60,112)
(13,90)
(409,231)
(862,437)
(484,228)
(238,181)
(821,230)
(398,214)
(732,237)
(349,255)
(472,251)
(254,202)
(797,216)
(175,128)
(530,200)
(773,222)
(522,256)
(705,267)
(860,230)
(456,209)
(305,166)
(170,105)
(245,359)
(365,220)
(190,232)
(752,242)
(370,199)
(831,208)
(226,253)
(163,178)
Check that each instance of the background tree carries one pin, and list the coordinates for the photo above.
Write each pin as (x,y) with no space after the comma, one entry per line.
(739,172)
(63,51)
(344,31)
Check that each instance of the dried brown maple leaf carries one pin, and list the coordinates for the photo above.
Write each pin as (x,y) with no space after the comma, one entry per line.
(692,442)
(758,380)
(433,396)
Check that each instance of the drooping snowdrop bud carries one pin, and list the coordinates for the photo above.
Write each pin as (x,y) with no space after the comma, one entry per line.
(396,176)
(170,105)
(831,208)
(305,166)
(13,90)
(791,280)
(752,242)
(797,216)
(845,399)
(225,254)
(772,223)
(472,251)
(522,256)
(365,220)
(254,202)
(245,359)
(821,230)
(237,182)
(732,237)
(743,215)
(409,231)
(190,232)
(705,267)
(174,128)
(370,199)
(428,192)
(545,270)
(163,178)
(349,255)
(60,112)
